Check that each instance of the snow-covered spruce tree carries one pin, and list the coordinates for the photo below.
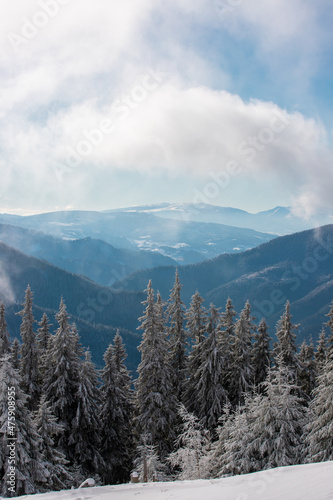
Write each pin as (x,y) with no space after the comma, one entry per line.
(148,464)
(43,334)
(249,317)
(217,454)
(156,404)
(307,369)
(319,431)
(111,418)
(53,460)
(195,327)
(261,354)
(321,352)
(195,360)
(115,415)
(123,375)
(4,336)
(15,353)
(117,411)
(175,313)
(43,343)
(330,338)
(285,348)
(228,319)
(61,382)
(241,368)
(20,442)
(235,458)
(196,319)
(276,422)
(85,429)
(209,393)
(226,329)
(192,448)
(29,354)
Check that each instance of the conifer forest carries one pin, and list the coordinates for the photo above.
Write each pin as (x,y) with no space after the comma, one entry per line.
(214,395)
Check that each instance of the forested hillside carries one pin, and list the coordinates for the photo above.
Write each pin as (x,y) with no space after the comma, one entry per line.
(95,259)
(186,242)
(212,397)
(97,310)
(297,267)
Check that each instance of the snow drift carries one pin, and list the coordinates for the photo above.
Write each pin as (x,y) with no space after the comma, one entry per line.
(306,482)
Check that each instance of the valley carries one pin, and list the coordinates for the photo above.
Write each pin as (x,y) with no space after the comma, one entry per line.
(103,286)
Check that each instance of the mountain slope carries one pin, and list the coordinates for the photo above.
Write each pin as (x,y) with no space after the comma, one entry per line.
(306,482)
(186,242)
(296,267)
(97,310)
(95,259)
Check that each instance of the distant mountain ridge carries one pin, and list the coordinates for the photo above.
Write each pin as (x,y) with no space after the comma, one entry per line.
(180,240)
(278,220)
(92,258)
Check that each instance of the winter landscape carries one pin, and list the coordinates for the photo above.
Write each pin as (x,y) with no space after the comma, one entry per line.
(166,250)
(298,482)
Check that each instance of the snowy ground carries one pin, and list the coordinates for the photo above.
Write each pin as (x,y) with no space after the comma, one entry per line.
(301,482)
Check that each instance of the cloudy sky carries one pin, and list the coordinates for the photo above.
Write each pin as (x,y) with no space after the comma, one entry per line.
(106,104)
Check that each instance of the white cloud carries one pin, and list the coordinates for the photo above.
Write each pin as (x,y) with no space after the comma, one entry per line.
(66,79)
(196,129)
(184,131)
(82,42)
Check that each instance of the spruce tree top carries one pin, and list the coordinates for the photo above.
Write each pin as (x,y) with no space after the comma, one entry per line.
(285,349)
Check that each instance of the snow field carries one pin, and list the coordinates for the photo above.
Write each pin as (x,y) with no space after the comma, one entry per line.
(299,482)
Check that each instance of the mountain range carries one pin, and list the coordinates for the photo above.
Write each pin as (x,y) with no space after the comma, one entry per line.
(76,266)
(95,259)
(278,220)
(297,267)
(96,310)
(184,241)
